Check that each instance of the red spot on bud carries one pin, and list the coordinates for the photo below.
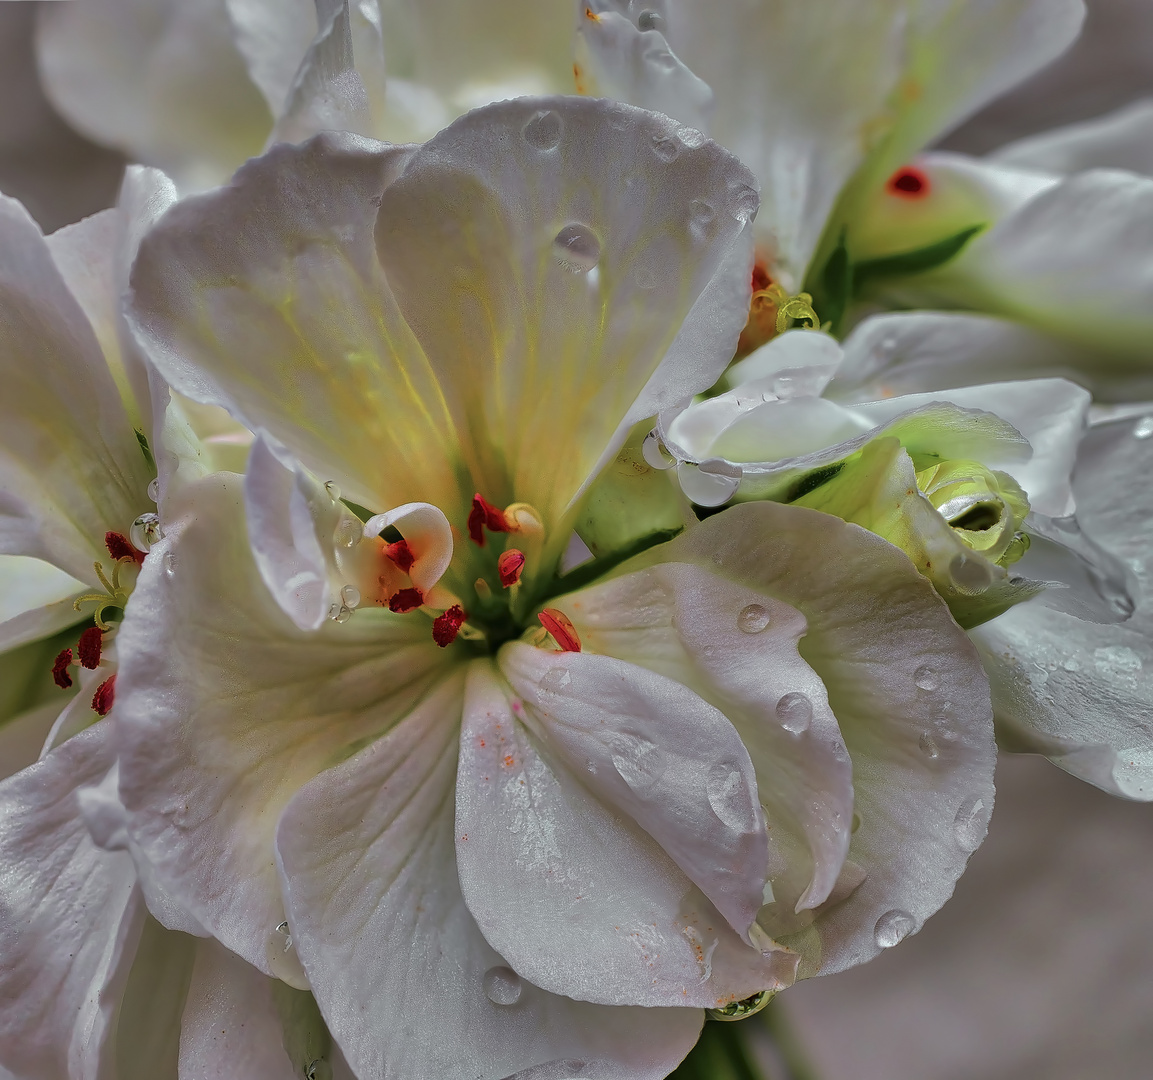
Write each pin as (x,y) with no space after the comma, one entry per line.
(445,628)
(401,555)
(484,515)
(89,647)
(104,697)
(909,183)
(60,674)
(563,632)
(405,600)
(509,566)
(120,548)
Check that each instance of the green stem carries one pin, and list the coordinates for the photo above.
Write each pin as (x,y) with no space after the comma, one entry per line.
(725,1051)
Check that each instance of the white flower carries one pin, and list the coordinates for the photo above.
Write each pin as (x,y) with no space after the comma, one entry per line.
(491,844)
(976,485)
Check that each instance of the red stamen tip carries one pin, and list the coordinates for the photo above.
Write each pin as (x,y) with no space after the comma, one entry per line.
(909,182)
(60,674)
(405,600)
(89,647)
(401,555)
(120,547)
(560,626)
(509,566)
(104,697)
(484,515)
(445,627)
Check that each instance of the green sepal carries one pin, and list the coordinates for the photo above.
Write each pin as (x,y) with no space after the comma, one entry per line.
(917,261)
(306,1039)
(145,449)
(832,287)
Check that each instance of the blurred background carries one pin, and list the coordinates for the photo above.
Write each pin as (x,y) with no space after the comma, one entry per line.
(1041,967)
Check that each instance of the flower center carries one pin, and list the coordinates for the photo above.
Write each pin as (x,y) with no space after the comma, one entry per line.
(984,508)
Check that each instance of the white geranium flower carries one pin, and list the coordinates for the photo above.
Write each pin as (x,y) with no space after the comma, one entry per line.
(975,485)
(497,810)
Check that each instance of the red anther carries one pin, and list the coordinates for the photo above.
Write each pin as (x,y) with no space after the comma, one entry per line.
(484,515)
(60,674)
(509,566)
(761,279)
(120,547)
(401,555)
(445,627)
(563,632)
(89,648)
(405,600)
(105,695)
(909,182)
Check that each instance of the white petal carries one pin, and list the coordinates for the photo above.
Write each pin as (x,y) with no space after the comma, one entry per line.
(737,648)
(907,690)
(1079,692)
(230,1026)
(250,708)
(910,352)
(71,466)
(273,36)
(1119,140)
(69,918)
(162,81)
(799,361)
(652,749)
(407,983)
(35,600)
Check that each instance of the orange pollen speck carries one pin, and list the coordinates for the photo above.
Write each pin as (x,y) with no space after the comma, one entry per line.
(558,624)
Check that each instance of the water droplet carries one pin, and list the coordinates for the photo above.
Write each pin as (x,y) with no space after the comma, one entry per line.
(333,489)
(970,573)
(350,594)
(502,986)
(638,761)
(145,532)
(753,619)
(1143,428)
(555,679)
(701,215)
(170,563)
(283,962)
(929,746)
(743,203)
(893,927)
(1071,665)
(154,489)
(543,131)
(651,20)
(654,452)
(925,678)
(795,712)
(666,147)
(729,797)
(576,248)
(348,533)
(969,825)
(343,615)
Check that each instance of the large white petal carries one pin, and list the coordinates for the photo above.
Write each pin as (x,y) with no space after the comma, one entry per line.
(70,916)
(407,983)
(162,81)
(273,36)
(737,648)
(1076,691)
(35,600)
(909,352)
(1119,140)
(71,465)
(224,709)
(908,692)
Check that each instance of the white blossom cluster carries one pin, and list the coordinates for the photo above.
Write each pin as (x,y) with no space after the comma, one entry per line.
(547,549)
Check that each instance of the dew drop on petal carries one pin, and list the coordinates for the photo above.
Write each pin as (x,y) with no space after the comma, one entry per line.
(1143,429)
(655,454)
(350,594)
(743,203)
(893,927)
(925,678)
(666,147)
(795,712)
(154,489)
(971,573)
(701,215)
(145,532)
(169,563)
(543,131)
(969,825)
(576,248)
(638,761)
(333,489)
(651,20)
(283,962)
(646,277)
(502,986)
(348,533)
(555,679)
(752,619)
(729,797)
(928,746)
(662,59)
